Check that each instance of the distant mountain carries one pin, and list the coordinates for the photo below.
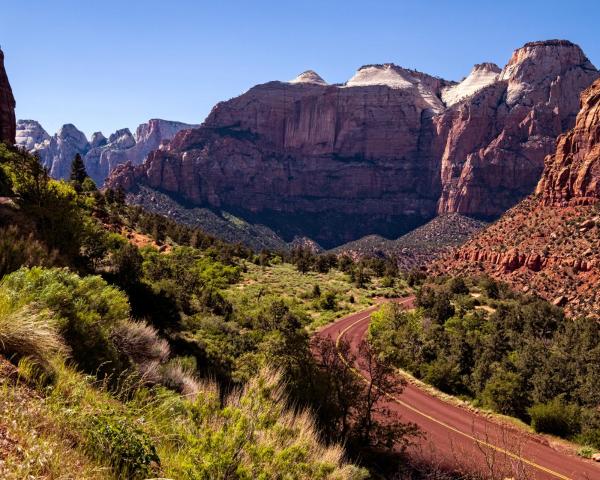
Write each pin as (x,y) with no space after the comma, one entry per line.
(381,154)
(101,155)
(550,242)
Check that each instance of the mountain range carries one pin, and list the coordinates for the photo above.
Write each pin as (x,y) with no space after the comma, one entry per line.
(383,153)
(101,155)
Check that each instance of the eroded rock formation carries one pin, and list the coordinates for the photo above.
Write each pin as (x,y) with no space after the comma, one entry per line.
(573,172)
(101,155)
(7,107)
(382,153)
(550,242)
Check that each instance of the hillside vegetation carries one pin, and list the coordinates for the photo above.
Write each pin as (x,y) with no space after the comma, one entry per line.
(135,347)
(508,352)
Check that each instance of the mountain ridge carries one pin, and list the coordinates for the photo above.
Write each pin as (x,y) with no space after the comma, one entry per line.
(380,154)
(100,155)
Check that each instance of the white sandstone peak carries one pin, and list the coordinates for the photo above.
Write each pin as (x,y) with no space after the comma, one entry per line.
(310,76)
(481,76)
(387,74)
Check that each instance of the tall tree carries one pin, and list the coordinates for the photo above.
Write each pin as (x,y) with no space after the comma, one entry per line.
(78,172)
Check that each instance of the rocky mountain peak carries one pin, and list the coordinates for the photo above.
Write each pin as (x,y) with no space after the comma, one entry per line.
(482,75)
(71,134)
(31,135)
(425,89)
(159,128)
(98,140)
(572,174)
(7,107)
(531,65)
(309,76)
(122,138)
(387,74)
(486,67)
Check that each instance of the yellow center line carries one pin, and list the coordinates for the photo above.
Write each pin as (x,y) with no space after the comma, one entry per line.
(435,420)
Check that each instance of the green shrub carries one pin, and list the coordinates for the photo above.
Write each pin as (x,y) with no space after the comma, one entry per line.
(328,301)
(457,286)
(127,449)
(504,393)
(556,417)
(86,310)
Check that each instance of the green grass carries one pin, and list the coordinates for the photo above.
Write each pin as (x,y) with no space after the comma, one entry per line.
(260,284)
(75,428)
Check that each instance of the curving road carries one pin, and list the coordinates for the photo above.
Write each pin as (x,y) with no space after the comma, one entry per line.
(456,437)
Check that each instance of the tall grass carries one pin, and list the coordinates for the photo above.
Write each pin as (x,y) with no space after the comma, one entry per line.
(27,332)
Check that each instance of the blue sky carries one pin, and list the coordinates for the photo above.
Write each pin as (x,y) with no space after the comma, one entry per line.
(109,64)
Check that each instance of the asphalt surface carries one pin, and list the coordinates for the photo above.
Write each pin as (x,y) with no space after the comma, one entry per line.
(456,437)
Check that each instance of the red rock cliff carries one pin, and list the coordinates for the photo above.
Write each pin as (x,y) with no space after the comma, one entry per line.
(8,123)
(550,242)
(572,174)
(381,153)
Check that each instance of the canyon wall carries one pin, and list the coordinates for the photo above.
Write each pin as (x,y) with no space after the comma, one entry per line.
(382,153)
(7,107)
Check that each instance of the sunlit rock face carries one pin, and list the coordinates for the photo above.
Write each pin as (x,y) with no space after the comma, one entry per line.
(382,153)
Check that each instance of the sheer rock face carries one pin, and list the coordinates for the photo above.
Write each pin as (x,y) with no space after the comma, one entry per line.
(304,158)
(382,153)
(492,147)
(572,174)
(101,155)
(7,107)
(31,135)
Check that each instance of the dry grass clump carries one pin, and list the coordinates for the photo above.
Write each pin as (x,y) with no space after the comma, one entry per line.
(140,342)
(175,376)
(27,332)
(150,353)
(262,438)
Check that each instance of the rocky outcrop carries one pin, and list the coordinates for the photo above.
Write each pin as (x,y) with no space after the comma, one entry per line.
(382,153)
(550,242)
(31,135)
(492,147)
(7,107)
(572,174)
(101,155)
(59,152)
(482,75)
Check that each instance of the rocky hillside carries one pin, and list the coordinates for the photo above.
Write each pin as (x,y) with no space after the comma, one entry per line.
(101,155)
(382,153)
(550,242)
(221,224)
(419,247)
(7,106)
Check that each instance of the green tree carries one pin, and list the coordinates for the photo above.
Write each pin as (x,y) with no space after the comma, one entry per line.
(78,171)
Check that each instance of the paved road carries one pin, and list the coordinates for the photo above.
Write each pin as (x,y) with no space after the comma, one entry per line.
(457,436)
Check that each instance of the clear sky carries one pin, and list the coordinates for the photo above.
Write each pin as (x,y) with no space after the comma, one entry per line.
(108,64)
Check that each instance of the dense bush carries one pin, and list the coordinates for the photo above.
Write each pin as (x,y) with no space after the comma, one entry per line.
(556,417)
(127,449)
(19,249)
(86,310)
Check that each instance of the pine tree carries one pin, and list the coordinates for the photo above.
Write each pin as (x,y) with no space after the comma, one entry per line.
(78,172)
